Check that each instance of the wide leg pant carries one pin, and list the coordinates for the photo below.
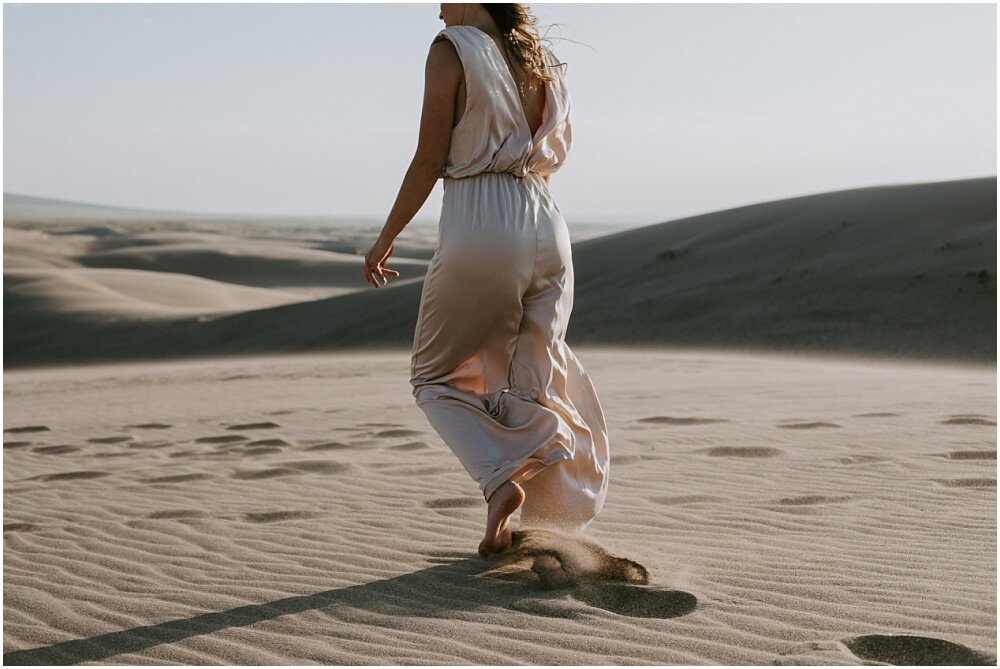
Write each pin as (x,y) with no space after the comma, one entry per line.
(490,365)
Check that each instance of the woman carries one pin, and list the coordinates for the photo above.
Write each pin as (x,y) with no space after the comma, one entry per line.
(490,367)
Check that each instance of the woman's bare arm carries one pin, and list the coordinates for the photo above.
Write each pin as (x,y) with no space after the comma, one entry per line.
(442,75)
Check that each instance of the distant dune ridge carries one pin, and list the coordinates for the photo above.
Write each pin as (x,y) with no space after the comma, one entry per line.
(900,270)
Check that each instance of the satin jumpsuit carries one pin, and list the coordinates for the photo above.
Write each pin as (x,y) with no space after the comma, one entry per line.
(490,367)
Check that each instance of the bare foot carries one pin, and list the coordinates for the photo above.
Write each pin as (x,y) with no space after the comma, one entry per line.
(507,499)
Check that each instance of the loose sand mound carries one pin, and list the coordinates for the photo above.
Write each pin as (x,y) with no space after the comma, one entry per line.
(300,510)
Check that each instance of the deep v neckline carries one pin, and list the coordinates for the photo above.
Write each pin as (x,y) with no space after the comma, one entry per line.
(513,80)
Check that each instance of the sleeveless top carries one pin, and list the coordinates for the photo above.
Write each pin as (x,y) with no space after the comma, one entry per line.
(493,133)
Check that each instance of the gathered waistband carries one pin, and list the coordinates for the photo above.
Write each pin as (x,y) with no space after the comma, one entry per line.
(480,174)
(531,179)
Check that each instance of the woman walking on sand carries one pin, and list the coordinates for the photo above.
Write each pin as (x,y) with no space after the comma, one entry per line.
(490,366)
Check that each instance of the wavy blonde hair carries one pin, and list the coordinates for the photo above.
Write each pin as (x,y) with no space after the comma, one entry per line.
(518,26)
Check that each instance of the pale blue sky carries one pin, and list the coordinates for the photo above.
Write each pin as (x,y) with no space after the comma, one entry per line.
(314,108)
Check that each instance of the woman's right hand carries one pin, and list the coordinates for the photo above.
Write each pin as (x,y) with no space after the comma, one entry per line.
(374,259)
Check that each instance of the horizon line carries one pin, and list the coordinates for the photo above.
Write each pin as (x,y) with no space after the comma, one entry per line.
(598,219)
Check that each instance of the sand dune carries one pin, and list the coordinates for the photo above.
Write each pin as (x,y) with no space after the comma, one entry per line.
(904,271)
(36,249)
(135,295)
(298,510)
(243,262)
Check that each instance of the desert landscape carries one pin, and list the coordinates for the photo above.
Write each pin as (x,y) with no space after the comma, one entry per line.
(208,461)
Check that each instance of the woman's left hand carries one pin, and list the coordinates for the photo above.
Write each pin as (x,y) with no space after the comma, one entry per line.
(374,262)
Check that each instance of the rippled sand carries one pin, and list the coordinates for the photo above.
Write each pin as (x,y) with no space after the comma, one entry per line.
(294,510)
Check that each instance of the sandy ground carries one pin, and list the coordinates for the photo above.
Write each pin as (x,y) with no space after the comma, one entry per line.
(299,509)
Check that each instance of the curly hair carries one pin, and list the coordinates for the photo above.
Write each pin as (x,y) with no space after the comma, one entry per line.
(518,26)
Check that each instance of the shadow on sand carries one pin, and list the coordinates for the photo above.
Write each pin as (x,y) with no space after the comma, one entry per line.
(533,577)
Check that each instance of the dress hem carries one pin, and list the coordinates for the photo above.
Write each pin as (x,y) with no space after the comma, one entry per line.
(522,471)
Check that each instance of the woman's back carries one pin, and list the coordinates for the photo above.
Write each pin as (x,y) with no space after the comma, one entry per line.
(531,89)
(499,129)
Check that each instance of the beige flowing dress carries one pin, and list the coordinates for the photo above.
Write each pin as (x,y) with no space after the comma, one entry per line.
(490,365)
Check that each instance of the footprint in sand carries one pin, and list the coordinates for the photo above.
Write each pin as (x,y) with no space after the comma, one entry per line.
(968,419)
(16,444)
(55,450)
(624,459)
(806,426)
(398,433)
(262,450)
(682,420)
(876,414)
(19,527)
(109,440)
(293,468)
(743,451)
(186,454)
(453,503)
(380,425)
(69,476)
(317,466)
(149,444)
(971,455)
(278,516)
(150,426)
(968,483)
(27,428)
(176,514)
(329,446)
(409,446)
(254,474)
(221,439)
(805,500)
(861,459)
(253,426)
(901,649)
(269,442)
(178,478)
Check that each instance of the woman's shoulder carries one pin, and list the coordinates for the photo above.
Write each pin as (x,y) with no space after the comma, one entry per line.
(454,33)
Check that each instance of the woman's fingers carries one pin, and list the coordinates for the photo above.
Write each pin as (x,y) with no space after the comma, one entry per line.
(385,270)
(375,270)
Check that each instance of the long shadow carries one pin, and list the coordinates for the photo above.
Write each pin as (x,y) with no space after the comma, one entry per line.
(444,589)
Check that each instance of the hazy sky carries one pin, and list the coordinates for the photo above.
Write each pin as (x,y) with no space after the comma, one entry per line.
(314,108)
